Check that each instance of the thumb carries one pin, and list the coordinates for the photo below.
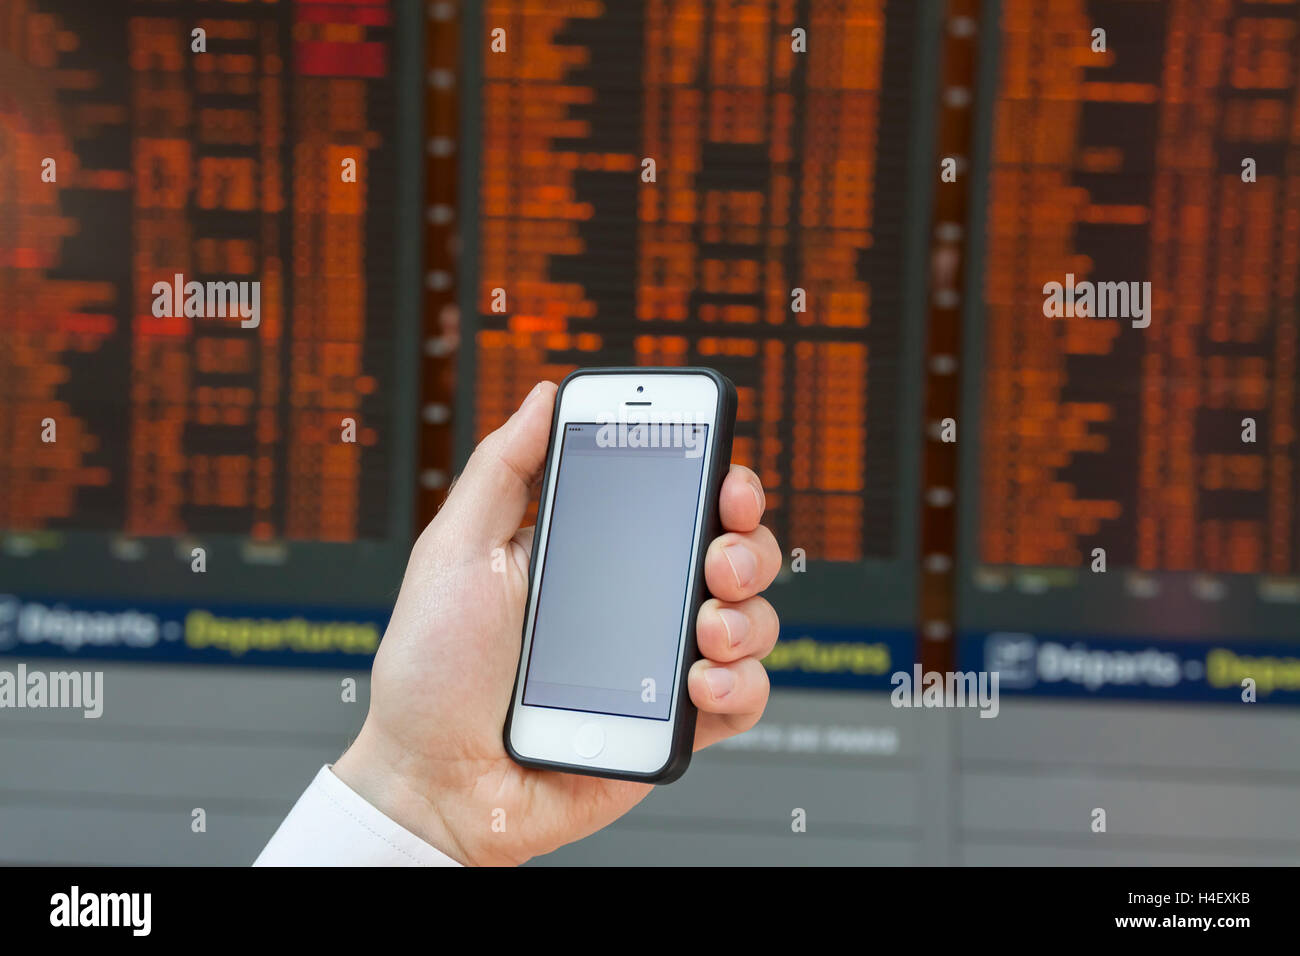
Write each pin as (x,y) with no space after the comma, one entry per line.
(488,501)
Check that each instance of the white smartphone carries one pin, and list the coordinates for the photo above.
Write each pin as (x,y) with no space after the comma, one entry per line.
(629,505)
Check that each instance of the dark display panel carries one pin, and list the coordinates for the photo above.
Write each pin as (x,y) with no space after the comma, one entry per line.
(1134,482)
(731,185)
(206,265)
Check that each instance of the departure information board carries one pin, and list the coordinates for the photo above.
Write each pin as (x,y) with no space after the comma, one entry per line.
(208,285)
(731,185)
(210,220)
(1132,322)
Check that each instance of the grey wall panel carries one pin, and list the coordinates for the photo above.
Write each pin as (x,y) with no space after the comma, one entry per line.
(215,701)
(835,726)
(619,846)
(243,743)
(1180,784)
(1062,803)
(852,762)
(132,833)
(240,743)
(1148,736)
(1131,854)
(728,791)
(160,770)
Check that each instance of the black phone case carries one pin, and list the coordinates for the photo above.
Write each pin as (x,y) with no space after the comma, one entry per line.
(679,757)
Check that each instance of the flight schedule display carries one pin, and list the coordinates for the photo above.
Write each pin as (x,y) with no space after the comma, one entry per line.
(729,185)
(206,396)
(210,227)
(1130,499)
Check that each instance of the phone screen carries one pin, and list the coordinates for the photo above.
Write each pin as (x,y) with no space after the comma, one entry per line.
(615,569)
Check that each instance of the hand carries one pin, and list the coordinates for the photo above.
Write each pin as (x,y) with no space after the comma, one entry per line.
(430,753)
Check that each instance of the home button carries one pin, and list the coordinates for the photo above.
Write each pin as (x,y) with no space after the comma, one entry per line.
(589,740)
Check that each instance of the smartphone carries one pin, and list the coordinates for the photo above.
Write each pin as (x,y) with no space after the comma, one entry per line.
(629,506)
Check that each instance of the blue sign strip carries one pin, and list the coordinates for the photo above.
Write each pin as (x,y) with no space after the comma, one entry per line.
(1051,665)
(1134,668)
(845,658)
(105,629)
(267,635)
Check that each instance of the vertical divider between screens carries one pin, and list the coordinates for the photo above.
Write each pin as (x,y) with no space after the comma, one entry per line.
(471,81)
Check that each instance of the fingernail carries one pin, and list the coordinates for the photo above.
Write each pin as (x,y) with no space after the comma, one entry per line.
(736,624)
(758,496)
(720,681)
(742,561)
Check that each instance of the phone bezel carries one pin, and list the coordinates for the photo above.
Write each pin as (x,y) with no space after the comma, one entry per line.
(634,746)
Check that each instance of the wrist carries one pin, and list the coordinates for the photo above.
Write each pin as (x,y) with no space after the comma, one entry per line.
(369,771)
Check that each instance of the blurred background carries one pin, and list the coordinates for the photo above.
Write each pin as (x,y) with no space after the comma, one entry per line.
(957,478)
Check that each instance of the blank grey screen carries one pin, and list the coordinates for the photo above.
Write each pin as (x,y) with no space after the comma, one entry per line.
(614,575)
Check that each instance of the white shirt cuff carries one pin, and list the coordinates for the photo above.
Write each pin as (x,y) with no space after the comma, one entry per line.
(332,825)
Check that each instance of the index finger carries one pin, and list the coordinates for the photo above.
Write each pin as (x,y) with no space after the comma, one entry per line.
(742,500)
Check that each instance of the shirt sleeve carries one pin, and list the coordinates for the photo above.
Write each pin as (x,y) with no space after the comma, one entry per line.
(332,825)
